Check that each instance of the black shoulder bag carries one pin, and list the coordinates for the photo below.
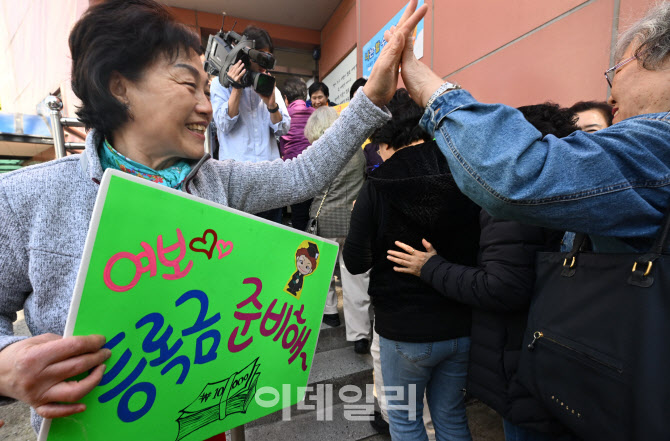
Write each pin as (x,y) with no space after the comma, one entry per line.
(597,347)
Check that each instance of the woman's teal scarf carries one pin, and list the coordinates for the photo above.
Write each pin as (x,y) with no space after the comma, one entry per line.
(172,177)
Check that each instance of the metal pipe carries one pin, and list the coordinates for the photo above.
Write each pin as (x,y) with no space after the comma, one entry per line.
(75,132)
(27,139)
(208,139)
(237,434)
(75,145)
(37,140)
(71,122)
(55,106)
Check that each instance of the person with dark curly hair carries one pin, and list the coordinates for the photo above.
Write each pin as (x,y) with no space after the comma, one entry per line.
(550,119)
(424,337)
(499,290)
(592,115)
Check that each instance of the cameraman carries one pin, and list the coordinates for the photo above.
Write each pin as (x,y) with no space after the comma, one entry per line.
(246,121)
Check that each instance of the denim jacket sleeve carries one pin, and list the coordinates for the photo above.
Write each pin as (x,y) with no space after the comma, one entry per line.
(615,182)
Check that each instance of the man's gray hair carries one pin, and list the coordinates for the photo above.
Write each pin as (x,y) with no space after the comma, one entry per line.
(318,123)
(651,34)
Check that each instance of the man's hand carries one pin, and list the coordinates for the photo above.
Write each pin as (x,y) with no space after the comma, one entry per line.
(269,101)
(235,73)
(413,260)
(34,371)
(383,80)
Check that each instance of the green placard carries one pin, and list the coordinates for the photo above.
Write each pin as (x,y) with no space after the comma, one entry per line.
(212,315)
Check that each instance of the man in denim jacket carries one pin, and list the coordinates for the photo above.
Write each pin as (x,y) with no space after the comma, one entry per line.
(613,185)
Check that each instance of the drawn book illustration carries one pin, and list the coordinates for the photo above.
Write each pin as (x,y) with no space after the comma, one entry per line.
(218,400)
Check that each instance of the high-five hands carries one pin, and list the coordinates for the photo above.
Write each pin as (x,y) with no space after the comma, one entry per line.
(420,81)
(383,79)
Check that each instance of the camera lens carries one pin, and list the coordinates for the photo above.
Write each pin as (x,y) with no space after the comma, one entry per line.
(264,84)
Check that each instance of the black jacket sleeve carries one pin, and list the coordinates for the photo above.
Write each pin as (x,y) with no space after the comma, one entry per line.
(504,280)
(357,252)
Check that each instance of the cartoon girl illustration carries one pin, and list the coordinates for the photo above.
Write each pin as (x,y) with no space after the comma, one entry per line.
(306,260)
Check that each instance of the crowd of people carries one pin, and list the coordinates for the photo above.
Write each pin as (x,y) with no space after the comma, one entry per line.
(439,203)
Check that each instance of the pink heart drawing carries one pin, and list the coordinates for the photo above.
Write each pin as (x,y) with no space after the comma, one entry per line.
(203,241)
(224,245)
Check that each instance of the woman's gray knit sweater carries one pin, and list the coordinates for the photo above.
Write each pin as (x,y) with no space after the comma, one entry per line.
(45,212)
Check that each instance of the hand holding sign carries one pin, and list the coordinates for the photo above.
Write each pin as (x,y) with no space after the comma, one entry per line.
(184,309)
(34,371)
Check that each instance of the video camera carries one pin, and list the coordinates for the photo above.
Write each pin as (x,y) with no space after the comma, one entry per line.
(227,48)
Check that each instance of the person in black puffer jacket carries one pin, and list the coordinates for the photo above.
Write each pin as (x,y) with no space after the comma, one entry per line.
(499,290)
(424,337)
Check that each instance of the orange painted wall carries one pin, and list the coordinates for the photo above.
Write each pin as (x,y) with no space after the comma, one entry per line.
(467,31)
(282,36)
(338,36)
(516,52)
(561,62)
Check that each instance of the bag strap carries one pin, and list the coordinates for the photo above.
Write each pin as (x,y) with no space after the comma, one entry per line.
(662,237)
(578,244)
(641,272)
(318,212)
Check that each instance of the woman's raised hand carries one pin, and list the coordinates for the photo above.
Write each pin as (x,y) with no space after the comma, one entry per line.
(383,80)
(412,260)
(34,371)
(420,81)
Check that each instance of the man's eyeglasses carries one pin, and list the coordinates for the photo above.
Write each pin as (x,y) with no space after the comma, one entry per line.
(609,73)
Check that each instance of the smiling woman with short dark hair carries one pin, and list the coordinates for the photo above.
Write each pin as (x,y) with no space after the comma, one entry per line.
(144,94)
